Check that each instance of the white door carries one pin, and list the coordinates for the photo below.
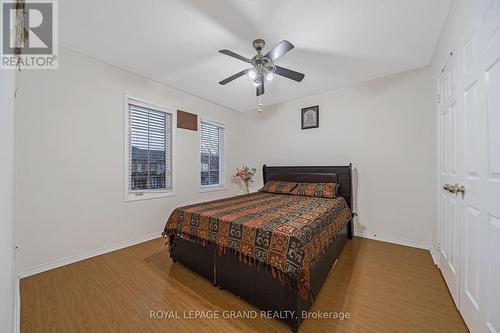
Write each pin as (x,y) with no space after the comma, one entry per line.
(476,146)
(449,214)
(480,261)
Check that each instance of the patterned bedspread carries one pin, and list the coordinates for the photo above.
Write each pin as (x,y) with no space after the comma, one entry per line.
(287,232)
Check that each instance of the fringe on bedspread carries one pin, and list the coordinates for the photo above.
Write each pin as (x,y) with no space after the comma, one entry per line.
(184,235)
(301,285)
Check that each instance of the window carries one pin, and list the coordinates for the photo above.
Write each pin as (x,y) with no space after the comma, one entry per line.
(211,154)
(149,150)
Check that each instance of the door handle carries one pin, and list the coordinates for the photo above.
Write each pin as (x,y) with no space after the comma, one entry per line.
(453,189)
(450,188)
(456,188)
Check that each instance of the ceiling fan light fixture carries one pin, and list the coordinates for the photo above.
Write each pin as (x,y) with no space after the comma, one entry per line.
(263,67)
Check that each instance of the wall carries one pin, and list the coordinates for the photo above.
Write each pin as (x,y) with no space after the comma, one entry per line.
(385,128)
(69,161)
(7,262)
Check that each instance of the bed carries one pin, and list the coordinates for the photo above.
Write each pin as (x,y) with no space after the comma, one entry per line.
(272,250)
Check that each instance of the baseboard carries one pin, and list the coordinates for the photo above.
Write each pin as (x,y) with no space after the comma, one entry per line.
(75,258)
(434,255)
(394,240)
(78,257)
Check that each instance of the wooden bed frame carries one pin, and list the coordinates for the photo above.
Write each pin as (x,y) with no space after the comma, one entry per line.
(256,284)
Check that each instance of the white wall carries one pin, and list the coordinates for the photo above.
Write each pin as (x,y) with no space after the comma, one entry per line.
(7,262)
(69,159)
(385,128)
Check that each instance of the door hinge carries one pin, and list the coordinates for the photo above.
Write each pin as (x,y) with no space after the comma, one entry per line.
(439,99)
(439,246)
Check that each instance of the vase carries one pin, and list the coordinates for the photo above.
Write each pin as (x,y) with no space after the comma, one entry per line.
(247,188)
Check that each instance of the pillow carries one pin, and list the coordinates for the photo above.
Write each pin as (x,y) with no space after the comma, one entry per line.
(274,186)
(320,190)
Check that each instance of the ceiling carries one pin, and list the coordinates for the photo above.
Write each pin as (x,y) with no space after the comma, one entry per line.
(175,42)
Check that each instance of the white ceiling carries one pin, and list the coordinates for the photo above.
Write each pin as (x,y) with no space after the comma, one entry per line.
(337,42)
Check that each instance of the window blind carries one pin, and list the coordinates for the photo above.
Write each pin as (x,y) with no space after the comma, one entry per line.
(150,149)
(211,154)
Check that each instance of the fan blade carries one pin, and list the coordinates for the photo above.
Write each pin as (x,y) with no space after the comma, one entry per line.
(279,50)
(289,74)
(260,87)
(233,77)
(235,55)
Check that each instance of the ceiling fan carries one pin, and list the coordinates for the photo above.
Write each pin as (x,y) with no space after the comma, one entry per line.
(263,67)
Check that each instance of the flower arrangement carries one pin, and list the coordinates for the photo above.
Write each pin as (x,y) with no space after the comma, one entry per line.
(245,174)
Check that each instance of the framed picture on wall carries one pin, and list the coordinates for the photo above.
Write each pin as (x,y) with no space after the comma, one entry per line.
(310,117)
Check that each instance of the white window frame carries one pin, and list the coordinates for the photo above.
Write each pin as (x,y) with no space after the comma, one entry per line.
(129,195)
(222,161)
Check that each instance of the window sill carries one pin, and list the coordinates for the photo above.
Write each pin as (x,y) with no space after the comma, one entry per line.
(147,196)
(213,188)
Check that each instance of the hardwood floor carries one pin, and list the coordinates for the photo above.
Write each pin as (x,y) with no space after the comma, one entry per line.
(384,287)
